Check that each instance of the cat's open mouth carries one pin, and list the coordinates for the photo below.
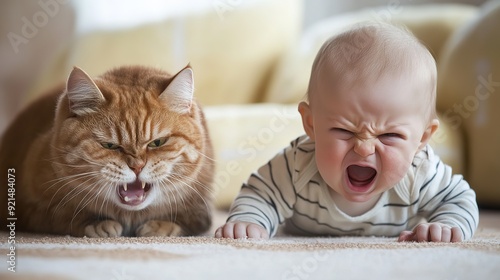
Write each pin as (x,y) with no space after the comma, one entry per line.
(133,193)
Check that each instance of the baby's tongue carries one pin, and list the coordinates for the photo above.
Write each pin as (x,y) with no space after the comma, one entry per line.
(360,175)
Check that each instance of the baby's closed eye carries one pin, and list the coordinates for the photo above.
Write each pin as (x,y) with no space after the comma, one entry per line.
(391,138)
(341,133)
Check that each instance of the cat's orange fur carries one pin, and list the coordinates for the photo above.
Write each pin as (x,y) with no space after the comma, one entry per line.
(124,154)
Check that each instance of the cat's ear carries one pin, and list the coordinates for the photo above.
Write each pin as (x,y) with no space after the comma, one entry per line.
(83,94)
(179,93)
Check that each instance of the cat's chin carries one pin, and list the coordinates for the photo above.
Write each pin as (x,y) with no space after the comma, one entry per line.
(133,196)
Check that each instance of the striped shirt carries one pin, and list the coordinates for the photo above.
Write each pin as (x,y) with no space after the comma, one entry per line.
(289,190)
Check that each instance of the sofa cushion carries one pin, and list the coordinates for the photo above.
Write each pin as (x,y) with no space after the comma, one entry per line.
(469,97)
(246,137)
(432,24)
(232,47)
(268,128)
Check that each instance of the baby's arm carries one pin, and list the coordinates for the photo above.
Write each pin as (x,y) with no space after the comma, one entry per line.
(241,230)
(252,213)
(432,232)
(264,201)
(448,204)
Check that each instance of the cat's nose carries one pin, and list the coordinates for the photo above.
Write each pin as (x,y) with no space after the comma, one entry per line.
(137,167)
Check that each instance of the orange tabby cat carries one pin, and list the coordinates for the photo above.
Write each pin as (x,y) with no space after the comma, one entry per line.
(124,154)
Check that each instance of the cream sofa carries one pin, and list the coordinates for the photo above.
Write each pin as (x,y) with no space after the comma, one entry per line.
(465,41)
(252,65)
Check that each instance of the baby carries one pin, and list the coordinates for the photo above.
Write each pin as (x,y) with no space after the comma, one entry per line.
(365,166)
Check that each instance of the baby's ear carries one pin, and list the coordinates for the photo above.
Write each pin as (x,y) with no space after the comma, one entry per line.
(429,131)
(307,119)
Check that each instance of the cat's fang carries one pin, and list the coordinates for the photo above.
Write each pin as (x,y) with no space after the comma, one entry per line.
(125,187)
(126,199)
(143,185)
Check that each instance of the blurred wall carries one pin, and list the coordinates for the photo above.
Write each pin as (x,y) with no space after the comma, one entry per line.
(32,34)
(315,10)
(36,32)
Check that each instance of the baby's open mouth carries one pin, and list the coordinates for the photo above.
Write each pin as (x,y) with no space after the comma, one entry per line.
(133,193)
(360,176)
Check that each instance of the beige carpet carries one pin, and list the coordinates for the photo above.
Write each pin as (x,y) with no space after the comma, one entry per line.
(49,257)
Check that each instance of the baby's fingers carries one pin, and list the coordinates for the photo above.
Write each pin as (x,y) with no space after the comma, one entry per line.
(406,236)
(422,233)
(256,231)
(241,230)
(419,234)
(234,230)
(436,233)
(433,232)
(456,234)
(444,233)
(227,231)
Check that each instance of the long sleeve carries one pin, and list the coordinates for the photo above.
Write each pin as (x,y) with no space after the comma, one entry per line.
(290,189)
(269,195)
(446,198)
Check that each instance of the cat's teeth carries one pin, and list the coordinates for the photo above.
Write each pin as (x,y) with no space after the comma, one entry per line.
(141,197)
(125,187)
(126,199)
(143,184)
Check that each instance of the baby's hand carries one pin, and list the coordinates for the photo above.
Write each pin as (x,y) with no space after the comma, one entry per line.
(241,230)
(435,232)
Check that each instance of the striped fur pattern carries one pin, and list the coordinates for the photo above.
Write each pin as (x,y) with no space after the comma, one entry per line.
(127,154)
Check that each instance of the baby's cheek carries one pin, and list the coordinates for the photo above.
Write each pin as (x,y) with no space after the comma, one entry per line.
(329,168)
(396,166)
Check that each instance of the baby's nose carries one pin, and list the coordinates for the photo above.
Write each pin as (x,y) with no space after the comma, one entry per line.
(364,147)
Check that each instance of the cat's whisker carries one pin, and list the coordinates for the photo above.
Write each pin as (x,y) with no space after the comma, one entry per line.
(76,166)
(82,163)
(67,181)
(188,164)
(166,189)
(207,204)
(180,178)
(106,189)
(111,192)
(85,201)
(105,201)
(73,177)
(211,159)
(74,192)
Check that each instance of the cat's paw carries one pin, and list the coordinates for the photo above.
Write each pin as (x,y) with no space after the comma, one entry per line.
(159,228)
(108,228)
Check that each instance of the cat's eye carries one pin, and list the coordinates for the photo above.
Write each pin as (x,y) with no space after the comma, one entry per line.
(110,146)
(158,142)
